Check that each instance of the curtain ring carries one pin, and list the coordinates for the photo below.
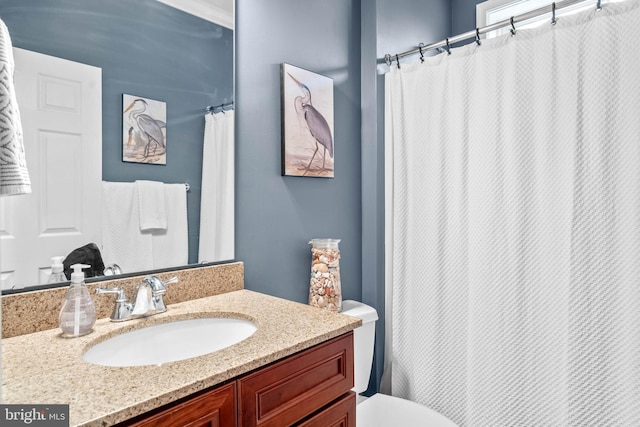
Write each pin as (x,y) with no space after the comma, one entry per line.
(599,5)
(553,13)
(513,27)
(420,46)
(478,36)
(387,59)
(397,61)
(448,46)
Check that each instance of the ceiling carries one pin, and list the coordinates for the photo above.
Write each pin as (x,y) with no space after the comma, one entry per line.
(216,11)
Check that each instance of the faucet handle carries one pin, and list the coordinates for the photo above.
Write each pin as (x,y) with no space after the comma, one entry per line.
(122,309)
(158,289)
(174,279)
(121,296)
(158,286)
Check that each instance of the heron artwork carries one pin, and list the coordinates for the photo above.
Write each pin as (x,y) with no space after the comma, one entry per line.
(144,138)
(310,151)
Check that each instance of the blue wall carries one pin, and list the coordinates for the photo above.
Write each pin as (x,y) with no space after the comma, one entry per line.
(144,48)
(276,216)
(463,15)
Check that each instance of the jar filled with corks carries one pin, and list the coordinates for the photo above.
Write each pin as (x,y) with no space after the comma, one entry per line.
(324,290)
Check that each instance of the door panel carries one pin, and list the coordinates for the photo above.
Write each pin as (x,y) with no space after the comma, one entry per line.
(60,105)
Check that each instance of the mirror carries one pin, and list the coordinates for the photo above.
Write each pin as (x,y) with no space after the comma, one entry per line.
(152,49)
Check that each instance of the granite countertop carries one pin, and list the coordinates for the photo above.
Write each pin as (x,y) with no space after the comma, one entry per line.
(44,368)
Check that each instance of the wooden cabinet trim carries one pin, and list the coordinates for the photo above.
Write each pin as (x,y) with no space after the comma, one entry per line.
(341,413)
(215,407)
(317,376)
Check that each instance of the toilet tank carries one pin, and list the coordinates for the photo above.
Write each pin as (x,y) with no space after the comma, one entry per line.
(363,340)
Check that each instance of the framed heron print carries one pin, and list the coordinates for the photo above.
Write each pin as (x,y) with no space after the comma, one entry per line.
(307,123)
(144,130)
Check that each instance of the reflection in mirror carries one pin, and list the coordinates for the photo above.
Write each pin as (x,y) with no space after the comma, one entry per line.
(153,50)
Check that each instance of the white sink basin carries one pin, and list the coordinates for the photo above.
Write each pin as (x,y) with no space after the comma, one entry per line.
(170,342)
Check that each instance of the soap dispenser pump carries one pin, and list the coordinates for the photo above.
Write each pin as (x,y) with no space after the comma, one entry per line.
(57,273)
(78,314)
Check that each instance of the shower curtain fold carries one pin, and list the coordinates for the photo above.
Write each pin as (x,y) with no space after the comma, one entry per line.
(217,229)
(514,192)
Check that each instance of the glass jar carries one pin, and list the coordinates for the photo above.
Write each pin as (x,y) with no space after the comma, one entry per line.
(325,290)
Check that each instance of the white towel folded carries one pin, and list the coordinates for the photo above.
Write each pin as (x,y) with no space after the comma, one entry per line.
(122,241)
(153,215)
(171,246)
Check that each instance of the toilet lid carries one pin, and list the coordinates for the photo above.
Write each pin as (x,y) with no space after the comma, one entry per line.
(381,410)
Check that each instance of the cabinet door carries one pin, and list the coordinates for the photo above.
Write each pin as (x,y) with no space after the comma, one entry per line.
(341,414)
(294,388)
(215,408)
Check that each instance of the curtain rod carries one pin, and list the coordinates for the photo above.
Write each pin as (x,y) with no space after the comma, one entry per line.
(211,109)
(446,43)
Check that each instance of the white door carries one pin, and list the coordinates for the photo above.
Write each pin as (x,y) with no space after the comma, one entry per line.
(60,105)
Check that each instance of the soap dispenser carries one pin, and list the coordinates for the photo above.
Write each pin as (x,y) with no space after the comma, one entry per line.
(78,314)
(57,273)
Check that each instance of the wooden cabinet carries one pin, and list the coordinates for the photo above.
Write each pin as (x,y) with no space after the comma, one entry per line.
(289,390)
(212,408)
(307,389)
(341,413)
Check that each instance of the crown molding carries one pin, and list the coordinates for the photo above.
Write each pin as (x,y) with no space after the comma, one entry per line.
(204,9)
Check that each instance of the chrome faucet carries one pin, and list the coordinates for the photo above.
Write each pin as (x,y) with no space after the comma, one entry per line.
(149,299)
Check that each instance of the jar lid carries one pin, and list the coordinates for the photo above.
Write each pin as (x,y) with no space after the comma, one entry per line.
(325,243)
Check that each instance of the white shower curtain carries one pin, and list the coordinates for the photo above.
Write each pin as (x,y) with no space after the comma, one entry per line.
(513,226)
(217,198)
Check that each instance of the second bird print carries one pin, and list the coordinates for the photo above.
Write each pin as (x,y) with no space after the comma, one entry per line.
(307,123)
(144,130)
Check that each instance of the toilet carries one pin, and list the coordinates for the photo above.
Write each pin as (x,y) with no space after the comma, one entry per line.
(380,409)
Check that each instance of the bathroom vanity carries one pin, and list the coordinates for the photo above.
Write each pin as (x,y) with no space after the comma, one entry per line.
(296,369)
(311,388)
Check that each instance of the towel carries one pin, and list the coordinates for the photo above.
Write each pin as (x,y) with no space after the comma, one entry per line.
(171,246)
(122,241)
(216,241)
(14,176)
(151,205)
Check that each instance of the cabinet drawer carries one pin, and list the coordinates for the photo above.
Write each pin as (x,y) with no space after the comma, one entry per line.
(289,390)
(213,408)
(341,414)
